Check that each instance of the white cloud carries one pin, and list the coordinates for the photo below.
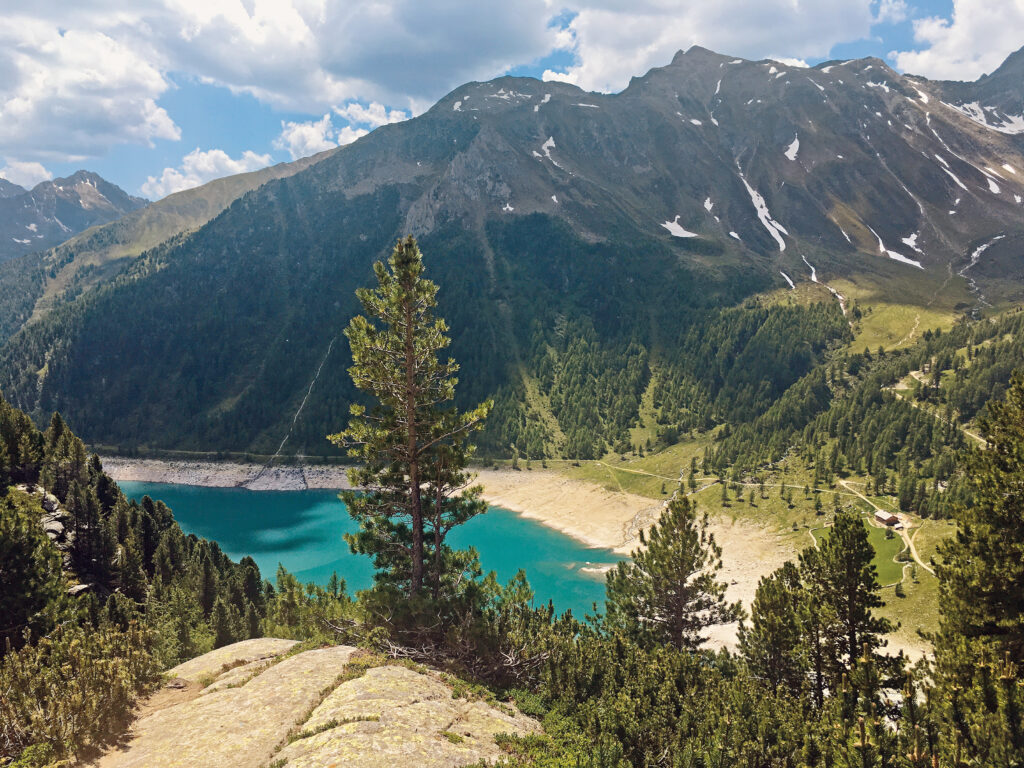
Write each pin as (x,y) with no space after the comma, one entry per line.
(304,139)
(68,95)
(198,167)
(24,174)
(613,42)
(789,62)
(310,55)
(348,134)
(79,78)
(892,12)
(978,38)
(374,115)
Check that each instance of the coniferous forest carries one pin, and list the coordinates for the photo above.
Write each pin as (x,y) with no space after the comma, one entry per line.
(99,593)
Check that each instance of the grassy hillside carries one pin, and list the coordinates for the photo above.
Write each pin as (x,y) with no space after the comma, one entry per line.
(32,285)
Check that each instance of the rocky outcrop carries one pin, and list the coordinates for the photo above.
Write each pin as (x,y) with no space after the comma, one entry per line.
(397,716)
(261,706)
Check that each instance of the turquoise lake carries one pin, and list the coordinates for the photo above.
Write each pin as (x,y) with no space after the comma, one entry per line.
(303,530)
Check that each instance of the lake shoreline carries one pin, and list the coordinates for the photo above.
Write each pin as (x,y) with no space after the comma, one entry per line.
(592,515)
(227,474)
(589,513)
(595,516)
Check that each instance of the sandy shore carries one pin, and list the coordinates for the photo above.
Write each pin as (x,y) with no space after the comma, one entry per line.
(589,513)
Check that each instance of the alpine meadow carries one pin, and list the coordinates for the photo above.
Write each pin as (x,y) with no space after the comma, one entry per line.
(736,349)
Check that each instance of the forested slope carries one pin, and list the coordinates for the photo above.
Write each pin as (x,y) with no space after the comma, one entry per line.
(585,244)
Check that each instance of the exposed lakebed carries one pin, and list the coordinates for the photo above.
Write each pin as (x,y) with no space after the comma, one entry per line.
(303,531)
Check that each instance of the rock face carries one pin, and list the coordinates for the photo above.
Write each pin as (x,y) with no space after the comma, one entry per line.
(259,701)
(53,211)
(396,716)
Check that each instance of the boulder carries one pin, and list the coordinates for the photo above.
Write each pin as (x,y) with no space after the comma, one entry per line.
(260,709)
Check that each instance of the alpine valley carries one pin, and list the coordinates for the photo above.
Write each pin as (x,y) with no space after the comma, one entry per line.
(678,255)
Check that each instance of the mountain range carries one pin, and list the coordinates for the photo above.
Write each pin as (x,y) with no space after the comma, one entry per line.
(53,211)
(587,246)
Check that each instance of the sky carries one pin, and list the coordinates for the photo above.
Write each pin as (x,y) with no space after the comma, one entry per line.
(162,95)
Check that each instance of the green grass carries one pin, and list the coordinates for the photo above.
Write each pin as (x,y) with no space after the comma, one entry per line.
(917,612)
(643,476)
(889,571)
(795,525)
(930,534)
(897,308)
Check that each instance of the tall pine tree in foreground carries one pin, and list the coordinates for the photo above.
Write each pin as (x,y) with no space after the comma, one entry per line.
(412,445)
(669,594)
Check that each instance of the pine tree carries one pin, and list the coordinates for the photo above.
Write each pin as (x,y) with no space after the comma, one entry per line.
(30,571)
(130,575)
(669,594)
(413,444)
(840,576)
(773,644)
(206,582)
(222,625)
(981,576)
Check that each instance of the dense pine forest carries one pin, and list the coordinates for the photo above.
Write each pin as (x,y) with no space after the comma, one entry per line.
(100,593)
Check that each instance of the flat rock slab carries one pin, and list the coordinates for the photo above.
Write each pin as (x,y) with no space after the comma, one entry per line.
(215,663)
(234,727)
(396,716)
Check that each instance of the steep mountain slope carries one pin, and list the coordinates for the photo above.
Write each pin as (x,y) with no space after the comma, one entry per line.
(7,189)
(995,101)
(583,243)
(32,285)
(55,210)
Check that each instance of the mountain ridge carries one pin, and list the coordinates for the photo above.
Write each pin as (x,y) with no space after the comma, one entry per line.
(50,212)
(576,237)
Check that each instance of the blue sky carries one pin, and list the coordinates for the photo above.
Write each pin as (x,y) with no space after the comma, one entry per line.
(159,95)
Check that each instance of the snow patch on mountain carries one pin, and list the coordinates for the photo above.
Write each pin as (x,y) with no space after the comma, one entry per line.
(546,148)
(793,148)
(775,229)
(911,242)
(893,254)
(789,280)
(814,272)
(676,230)
(990,117)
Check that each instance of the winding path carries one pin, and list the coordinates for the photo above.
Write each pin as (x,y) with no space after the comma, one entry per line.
(908,540)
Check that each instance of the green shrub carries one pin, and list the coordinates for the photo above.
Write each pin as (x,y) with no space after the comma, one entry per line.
(75,687)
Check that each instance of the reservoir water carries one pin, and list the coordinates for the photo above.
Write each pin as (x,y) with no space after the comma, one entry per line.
(303,530)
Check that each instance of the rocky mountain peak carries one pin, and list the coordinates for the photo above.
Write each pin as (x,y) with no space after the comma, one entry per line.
(55,210)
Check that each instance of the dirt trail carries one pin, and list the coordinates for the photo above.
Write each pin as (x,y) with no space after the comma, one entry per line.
(908,541)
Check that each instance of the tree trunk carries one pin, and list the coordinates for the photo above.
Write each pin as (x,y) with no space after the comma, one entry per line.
(415,504)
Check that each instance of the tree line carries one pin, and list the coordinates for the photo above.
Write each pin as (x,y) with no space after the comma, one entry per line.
(631,685)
